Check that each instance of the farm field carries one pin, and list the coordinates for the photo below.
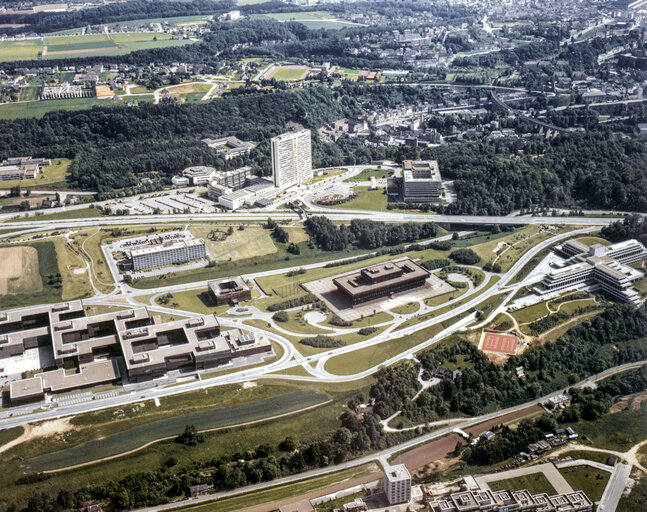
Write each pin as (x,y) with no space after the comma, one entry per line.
(19,271)
(210,419)
(85,45)
(50,176)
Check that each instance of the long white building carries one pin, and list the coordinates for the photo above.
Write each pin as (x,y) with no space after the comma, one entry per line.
(292,158)
(168,253)
(603,267)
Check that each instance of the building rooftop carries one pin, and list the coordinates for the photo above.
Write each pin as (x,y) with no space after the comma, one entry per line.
(397,473)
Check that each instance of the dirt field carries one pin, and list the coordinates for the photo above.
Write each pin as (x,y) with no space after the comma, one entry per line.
(19,270)
(47,429)
(103,90)
(418,458)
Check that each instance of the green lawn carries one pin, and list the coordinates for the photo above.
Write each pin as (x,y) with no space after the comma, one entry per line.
(301,16)
(19,50)
(80,45)
(365,358)
(407,309)
(531,313)
(367,174)
(585,478)
(367,199)
(535,483)
(208,419)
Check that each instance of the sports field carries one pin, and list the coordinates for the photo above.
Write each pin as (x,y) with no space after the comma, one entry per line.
(290,72)
(85,45)
(312,20)
(139,436)
(499,343)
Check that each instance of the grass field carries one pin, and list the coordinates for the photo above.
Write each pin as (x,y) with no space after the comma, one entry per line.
(29,93)
(54,257)
(208,419)
(365,358)
(240,245)
(50,175)
(85,45)
(289,73)
(367,174)
(327,174)
(585,478)
(618,431)
(407,309)
(301,16)
(40,108)
(534,483)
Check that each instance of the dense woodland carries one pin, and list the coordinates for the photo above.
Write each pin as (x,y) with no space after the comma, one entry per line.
(365,234)
(115,148)
(582,351)
(632,226)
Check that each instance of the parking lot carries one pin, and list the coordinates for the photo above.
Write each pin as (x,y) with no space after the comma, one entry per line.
(166,202)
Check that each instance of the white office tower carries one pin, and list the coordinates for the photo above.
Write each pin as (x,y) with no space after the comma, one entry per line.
(292,158)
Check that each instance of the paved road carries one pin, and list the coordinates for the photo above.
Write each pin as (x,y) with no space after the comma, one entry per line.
(613,491)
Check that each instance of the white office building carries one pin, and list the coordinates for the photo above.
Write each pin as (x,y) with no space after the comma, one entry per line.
(292,158)
(397,484)
(604,268)
(168,253)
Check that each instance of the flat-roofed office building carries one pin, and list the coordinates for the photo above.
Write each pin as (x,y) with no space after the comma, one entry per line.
(421,182)
(292,158)
(381,280)
(170,252)
(603,267)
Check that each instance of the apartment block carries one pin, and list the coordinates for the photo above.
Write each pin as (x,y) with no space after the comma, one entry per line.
(508,501)
(292,158)
(170,252)
(397,484)
(604,267)
(421,181)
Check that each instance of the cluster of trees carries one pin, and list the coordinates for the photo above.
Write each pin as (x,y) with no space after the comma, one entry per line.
(632,226)
(365,234)
(465,257)
(582,351)
(322,341)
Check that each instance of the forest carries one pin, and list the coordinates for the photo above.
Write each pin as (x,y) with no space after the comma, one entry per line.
(114,148)
(365,234)
(582,351)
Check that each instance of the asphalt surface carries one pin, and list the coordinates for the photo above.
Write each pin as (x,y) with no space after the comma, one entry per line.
(613,491)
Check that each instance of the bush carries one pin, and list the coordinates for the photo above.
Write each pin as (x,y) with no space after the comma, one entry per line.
(441,245)
(293,303)
(437,263)
(465,256)
(321,341)
(340,322)
(366,331)
(280,316)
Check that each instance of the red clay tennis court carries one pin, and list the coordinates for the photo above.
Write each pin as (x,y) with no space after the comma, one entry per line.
(500,343)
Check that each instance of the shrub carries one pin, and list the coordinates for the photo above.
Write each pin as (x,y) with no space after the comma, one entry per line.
(465,256)
(280,316)
(321,341)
